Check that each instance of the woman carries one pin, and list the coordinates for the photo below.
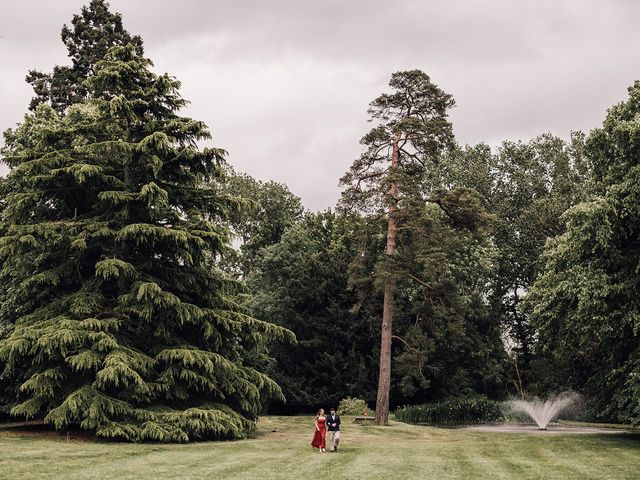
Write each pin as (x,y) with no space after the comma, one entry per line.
(321,431)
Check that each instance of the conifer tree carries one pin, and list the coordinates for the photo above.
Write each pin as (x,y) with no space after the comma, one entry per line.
(412,130)
(109,234)
(91,35)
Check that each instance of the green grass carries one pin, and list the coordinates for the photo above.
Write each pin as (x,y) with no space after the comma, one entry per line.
(282,450)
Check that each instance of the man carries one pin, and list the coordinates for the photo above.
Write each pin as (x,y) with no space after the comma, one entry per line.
(333,428)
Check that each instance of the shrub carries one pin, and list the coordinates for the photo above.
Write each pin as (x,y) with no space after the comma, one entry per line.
(353,406)
(457,411)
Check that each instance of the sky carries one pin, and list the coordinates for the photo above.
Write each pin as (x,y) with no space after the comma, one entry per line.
(285,85)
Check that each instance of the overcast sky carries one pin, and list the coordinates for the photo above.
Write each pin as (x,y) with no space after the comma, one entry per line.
(284,85)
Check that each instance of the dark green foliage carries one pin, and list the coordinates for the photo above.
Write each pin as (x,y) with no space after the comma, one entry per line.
(526,187)
(110,230)
(446,342)
(415,116)
(585,303)
(455,411)
(8,387)
(301,284)
(91,35)
(534,185)
(3,193)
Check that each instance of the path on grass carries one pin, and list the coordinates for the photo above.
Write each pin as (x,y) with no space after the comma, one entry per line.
(551,430)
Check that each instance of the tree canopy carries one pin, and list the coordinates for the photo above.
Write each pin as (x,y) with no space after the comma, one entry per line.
(302,283)
(269,208)
(150,292)
(585,303)
(91,35)
(411,133)
(110,231)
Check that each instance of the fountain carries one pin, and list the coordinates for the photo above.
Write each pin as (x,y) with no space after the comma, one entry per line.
(544,412)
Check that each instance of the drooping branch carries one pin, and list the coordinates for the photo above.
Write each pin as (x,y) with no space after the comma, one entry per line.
(395,337)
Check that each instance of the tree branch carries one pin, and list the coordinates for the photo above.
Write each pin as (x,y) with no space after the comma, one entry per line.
(417,280)
(405,343)
(438,202)
(412,155)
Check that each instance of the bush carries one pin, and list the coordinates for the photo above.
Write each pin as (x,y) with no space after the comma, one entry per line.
(457,411)
(353,406)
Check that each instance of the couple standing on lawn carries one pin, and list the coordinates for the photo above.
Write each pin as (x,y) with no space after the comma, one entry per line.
(324,423)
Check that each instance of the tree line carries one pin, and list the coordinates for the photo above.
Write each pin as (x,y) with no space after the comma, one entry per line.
(444,271)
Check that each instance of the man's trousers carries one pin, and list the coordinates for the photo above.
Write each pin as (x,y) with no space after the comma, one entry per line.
(334,439)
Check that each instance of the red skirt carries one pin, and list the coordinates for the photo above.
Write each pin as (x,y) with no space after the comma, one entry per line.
(319,439)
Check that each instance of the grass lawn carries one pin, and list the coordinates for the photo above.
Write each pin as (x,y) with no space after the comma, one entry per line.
(282,450)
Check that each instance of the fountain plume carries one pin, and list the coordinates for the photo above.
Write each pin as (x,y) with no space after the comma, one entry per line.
(544,412)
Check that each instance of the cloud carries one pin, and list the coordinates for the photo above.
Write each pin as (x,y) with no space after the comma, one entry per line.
(285,85)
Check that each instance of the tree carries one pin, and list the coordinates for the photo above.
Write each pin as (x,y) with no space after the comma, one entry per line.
(301,283)
(3,188)
(585,302)
(535,184)
(122,324)
(269,209)
(91,35)
(447,343)
(412,130)
(527,186)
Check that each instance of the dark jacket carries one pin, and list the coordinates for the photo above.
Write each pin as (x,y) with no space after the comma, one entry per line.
(331,420)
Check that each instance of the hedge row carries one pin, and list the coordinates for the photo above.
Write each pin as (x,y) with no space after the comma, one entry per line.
(458,411)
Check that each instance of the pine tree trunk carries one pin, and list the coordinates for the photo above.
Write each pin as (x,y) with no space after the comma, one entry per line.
(384,378)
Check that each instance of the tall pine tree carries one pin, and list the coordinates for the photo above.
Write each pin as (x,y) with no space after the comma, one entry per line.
(110,230)
(411,132)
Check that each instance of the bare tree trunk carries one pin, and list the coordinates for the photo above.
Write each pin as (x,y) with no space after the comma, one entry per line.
(384,377)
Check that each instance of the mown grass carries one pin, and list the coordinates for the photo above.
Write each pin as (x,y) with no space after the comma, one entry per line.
(281,450)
